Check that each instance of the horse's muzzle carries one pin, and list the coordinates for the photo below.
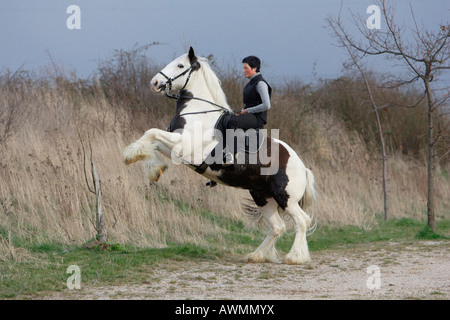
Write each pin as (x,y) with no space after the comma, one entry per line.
(158,86)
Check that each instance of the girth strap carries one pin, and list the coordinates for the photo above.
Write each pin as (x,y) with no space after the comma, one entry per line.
(201,168)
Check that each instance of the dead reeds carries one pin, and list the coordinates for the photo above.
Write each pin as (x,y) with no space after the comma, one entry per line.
(44,197)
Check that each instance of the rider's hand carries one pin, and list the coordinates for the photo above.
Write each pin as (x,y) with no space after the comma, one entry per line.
(241,112)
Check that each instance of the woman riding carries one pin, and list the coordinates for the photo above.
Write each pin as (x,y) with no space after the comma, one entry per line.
(256,97)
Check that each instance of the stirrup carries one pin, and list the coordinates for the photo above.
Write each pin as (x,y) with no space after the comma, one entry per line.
(228,159)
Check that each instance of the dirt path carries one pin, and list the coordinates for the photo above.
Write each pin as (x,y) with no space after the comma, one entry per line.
(420,270)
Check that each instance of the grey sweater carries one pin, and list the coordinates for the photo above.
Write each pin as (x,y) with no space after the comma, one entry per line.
(263,91)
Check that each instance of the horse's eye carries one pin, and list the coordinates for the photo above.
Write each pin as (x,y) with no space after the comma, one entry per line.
(180,66)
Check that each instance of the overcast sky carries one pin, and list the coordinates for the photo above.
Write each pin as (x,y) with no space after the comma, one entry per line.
(288,36)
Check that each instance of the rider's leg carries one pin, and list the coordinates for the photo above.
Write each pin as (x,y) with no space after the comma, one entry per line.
(243,122)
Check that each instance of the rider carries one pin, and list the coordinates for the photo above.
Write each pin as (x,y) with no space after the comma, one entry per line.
(256,98)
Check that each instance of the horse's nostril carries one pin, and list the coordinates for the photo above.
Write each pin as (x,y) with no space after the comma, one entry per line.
(155,84)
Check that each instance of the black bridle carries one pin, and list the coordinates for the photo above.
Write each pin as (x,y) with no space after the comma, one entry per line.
(168,87)
(168,84)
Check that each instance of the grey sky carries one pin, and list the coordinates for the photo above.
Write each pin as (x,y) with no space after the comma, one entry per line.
(289,36)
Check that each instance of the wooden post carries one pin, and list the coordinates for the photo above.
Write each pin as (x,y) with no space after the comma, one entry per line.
(101,236)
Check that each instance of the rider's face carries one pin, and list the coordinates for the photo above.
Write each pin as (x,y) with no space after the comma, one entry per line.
(248,71)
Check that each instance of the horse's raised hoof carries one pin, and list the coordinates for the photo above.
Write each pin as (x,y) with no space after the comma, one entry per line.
(154,173)
(129,161)
(133,160)
(158,175)
(133,153)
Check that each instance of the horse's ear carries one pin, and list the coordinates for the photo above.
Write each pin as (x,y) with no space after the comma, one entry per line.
(192,57)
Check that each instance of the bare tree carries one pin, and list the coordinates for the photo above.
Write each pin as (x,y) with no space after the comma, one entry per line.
(99,223)
(342,36)
(423,53)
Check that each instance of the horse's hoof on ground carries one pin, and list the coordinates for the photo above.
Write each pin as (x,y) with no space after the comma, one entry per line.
(255,258)
(296,260)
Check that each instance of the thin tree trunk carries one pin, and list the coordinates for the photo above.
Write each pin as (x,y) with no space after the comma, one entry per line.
(384,160)
(431,165)
(99,225)
(336,26)
(99,215)
(381,136)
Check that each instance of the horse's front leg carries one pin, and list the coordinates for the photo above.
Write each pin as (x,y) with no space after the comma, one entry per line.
(146,147)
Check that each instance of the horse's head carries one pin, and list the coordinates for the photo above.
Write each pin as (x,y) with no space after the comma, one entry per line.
(176,74)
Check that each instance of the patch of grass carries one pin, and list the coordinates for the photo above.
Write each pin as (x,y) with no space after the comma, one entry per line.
(103,245)
(427,234)
(46,271)
(328,237)
(45,247)
(43,266)
(405,222)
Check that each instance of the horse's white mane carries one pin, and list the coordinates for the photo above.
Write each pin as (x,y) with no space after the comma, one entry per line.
(213,83)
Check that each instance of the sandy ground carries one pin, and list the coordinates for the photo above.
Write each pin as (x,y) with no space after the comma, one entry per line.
(419,270)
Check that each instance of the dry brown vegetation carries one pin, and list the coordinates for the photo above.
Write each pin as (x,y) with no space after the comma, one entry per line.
(44,198)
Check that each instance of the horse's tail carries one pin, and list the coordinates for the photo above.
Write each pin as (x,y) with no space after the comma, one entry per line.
(308,198)
(310,192)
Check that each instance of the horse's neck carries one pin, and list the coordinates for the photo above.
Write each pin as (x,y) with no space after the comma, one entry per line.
(201,117)
(202,109)
(199,89)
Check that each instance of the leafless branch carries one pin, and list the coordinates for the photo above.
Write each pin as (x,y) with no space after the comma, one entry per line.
(84,163)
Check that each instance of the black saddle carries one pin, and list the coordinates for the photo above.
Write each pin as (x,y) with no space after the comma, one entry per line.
(248,141)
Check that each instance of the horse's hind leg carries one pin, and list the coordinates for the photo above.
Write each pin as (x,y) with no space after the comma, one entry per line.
(299,252)
(266,252)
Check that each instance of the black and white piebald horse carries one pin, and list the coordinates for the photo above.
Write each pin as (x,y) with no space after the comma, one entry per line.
(280,183)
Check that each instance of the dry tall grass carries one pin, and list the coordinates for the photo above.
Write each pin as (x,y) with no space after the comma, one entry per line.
(44,198)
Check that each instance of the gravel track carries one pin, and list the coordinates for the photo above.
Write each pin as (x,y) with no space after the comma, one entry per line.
(417,270)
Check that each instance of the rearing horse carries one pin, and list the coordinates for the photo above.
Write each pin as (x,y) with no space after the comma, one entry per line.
(190,139)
